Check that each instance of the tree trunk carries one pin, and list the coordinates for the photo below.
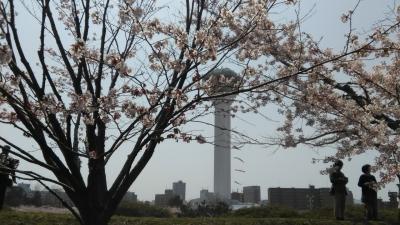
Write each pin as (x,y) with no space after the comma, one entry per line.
(92,216)
(93,219)
(398,201)
(398,197)
(92,208)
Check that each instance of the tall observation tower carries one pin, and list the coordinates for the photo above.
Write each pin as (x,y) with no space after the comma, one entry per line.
(222,81)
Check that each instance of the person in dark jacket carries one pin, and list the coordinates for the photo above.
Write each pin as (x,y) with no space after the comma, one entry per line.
(368,185)
(339,181)
(7,167)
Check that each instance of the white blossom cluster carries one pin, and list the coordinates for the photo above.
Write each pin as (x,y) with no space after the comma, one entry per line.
(352,103)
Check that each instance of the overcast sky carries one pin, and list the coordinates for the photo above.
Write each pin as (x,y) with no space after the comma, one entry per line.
(267,167)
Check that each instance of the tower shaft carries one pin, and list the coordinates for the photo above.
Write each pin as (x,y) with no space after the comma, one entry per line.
(222,148)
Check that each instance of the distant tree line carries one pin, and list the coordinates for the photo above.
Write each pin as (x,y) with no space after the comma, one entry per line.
(17,196)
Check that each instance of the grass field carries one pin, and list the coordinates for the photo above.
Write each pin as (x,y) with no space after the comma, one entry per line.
(35,218)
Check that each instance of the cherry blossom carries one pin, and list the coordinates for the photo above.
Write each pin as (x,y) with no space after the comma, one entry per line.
(5,54)
(351,103)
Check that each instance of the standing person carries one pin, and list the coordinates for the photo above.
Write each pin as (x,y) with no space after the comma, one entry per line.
(7,164)
(368,185)
(339,181)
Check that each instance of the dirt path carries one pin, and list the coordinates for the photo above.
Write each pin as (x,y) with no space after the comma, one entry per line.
(46,209)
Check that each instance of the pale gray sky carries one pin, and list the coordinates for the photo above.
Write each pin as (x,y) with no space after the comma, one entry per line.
(267,167)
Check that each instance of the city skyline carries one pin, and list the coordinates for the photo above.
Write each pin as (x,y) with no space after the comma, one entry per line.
(248,194)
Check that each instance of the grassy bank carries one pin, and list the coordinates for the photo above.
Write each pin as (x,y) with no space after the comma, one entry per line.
(35,218)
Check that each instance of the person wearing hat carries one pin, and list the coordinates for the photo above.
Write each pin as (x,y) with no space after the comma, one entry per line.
(369,196)
(7,166)
(338,190)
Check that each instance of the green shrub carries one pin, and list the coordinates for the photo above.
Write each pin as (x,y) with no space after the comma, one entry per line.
(389,215)
(34,218)
(138,209)
(266,212)
(205,210)
(353,213)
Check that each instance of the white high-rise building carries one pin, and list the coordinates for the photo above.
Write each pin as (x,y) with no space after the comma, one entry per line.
(222,81)
(222,148)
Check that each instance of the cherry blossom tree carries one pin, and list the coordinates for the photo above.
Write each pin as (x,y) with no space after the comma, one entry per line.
(352,103)
(113,75)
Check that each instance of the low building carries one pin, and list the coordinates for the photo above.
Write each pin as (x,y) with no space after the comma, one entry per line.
(237,196)
(49,199)
(207,196)
(179,189)
(25,187)
(251,194)
(130,197)
(162,200)
(304,198)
